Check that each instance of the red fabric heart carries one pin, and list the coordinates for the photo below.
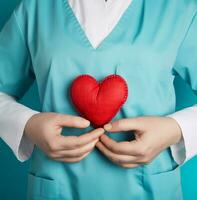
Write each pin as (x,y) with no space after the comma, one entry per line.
(96,101)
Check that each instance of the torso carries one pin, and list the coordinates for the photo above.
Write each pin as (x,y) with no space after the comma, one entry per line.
(142,48)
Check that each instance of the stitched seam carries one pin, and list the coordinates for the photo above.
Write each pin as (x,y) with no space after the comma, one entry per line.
(104,80)
(24,42)
(71,92)
(83,35)
(185,36)
(70,13)
(107,78)
(20,31)
(125,85)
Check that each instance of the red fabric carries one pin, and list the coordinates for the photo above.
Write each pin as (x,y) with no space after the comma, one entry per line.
(98,102)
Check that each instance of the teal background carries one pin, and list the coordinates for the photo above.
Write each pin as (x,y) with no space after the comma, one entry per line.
(13,177)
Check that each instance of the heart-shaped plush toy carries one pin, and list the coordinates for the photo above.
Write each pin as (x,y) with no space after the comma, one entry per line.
(100,101)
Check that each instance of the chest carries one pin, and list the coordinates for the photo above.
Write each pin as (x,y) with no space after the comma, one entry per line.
(141,47)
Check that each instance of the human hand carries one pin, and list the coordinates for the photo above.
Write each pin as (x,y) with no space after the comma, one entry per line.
(152,135)
(44,129)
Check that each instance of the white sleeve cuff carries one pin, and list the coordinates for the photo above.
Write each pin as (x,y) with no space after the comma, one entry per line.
(187,147)
(178,152)
(13,118)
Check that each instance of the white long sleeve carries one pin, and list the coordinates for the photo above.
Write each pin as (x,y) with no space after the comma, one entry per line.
(13,117)
(187,147)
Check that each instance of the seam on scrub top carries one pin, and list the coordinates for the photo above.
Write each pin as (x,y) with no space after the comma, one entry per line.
(20,31)
(71,14)
(118,26)
(82,32)
(185,36)
(24,42)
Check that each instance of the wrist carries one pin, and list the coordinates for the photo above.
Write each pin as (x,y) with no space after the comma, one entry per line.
(29,125)
(176,130)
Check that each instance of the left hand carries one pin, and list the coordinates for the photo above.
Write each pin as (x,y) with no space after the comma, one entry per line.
(152,135)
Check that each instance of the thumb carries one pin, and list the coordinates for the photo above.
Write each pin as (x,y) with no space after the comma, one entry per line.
(72,121)
(127,124)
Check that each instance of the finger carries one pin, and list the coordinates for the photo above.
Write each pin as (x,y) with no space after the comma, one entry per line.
(76,152)
(120,159)
(90,136)
(75,142)
(124,148)
(72,121)
(72,160)
(126,124)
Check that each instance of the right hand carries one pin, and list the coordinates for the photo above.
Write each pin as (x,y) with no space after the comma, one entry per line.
(44,129)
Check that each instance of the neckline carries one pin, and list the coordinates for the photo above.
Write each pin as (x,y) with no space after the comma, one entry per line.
(83,35)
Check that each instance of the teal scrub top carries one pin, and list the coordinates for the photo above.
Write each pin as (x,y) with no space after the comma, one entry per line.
(153,42)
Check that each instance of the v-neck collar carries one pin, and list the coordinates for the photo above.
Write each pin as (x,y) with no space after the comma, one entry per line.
(97,19)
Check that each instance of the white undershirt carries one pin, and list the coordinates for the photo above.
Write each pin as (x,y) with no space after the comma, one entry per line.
(13,115)
(98,18)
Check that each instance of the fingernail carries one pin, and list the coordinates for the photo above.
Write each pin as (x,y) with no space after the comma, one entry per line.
(108,126)
(86,122)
